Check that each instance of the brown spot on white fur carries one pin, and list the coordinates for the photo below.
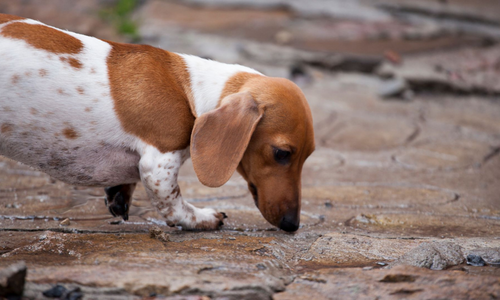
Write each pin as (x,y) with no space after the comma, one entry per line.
(88,109)
(33,111)
(42,72)
(80,90)
(43,37)
(70,133)
(15,79)
(6,128)
(7,18)
(167,95)
(75,63)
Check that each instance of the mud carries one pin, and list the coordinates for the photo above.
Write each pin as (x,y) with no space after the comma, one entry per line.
(390,182)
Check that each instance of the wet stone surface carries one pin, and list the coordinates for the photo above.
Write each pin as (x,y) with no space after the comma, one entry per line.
(392,184)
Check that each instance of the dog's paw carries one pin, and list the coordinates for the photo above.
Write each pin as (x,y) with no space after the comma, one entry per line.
(204,219)
(117,203)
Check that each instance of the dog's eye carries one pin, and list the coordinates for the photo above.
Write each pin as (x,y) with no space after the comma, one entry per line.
(281,156)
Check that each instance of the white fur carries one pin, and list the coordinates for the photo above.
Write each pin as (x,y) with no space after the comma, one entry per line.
(159,175)
(206,84)
(39,109)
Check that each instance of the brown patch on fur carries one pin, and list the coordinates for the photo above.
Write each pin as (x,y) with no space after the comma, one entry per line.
(6,128)
(75,63)
(176,191)
(42,72)
(80,90)
(27,73)
(15,79)
(88,109)
(60,91)
(70,133)
(234,84)
(156,81)
(33,111)
(43,37)
(7,18)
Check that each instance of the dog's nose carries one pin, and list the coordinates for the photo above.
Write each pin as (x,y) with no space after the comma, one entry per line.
(290,222)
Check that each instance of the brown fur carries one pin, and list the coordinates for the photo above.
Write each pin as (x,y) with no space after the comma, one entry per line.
(286,124)
(75,63)
(6,128)
(234,83)
(70,133)
(157,109)
(221,136)
(43,37)
(7,18)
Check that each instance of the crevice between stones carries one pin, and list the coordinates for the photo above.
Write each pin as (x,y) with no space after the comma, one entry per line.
(494,152)
(439,15)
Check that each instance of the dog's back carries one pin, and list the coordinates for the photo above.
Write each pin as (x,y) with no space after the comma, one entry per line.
(56,111)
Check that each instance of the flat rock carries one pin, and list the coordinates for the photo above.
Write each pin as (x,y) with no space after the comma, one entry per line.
(489,255)
(400,282)
(434,256)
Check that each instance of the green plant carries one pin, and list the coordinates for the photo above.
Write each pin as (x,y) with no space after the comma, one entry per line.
(120,15)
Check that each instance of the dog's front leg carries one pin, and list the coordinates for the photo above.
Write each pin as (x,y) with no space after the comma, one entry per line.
(159,175)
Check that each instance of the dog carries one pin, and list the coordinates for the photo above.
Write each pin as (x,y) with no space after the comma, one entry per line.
(98,113)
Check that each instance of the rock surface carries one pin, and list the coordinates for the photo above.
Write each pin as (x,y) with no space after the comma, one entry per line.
(434,256)
(390,181)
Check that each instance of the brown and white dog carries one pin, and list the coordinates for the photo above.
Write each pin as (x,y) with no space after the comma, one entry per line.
(98,113)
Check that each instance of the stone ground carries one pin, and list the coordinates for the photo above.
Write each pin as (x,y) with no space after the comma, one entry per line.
(403,185)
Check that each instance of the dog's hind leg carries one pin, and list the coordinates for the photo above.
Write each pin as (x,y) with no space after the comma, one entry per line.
(118,199)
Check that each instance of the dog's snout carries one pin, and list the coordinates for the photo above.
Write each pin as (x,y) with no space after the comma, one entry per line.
(290,222)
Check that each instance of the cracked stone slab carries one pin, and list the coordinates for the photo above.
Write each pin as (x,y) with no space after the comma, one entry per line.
(399,282)
(378,195)
(212,266)
(465,71)
(443,154)
(417,224)
(363,134)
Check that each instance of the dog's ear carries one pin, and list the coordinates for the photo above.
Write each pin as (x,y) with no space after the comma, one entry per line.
(221,136)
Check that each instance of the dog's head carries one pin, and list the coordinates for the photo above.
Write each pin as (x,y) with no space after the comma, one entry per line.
(264,130)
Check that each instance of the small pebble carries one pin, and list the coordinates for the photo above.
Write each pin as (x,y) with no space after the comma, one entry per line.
(155,232)
(367,268)
(55,292)
(65,222)
(231,238)
(475,260)
(380,263)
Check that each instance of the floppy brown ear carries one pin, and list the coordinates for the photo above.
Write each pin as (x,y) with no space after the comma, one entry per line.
(221,136)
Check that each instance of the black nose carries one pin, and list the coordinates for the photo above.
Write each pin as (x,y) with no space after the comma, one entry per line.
(289,223)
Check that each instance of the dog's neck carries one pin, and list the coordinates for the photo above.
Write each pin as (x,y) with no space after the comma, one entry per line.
(208,81)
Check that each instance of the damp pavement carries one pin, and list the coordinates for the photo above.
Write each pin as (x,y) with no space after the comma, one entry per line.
(401,189)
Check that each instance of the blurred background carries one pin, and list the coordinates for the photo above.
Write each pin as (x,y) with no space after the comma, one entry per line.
(405,96)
